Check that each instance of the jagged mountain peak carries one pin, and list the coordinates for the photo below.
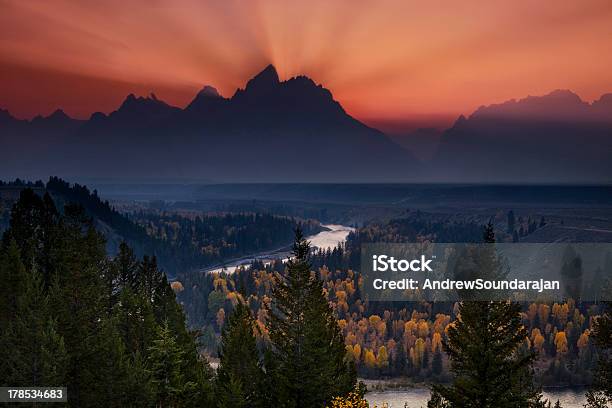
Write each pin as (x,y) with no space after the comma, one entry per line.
(560,104)
(4,113)
(265,81)
(209,91)
(132,100)
(143,106)
(604,101)
(205,100)
(59,114)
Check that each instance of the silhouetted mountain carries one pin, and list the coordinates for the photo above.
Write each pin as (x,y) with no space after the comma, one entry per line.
(134,112)
(206,101)
(271,130)
(26,144)
(551,138)
(277,131)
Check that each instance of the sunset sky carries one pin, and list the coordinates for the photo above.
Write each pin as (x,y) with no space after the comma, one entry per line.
(404,63)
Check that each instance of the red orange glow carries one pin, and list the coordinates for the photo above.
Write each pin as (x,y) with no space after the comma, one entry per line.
(386,60)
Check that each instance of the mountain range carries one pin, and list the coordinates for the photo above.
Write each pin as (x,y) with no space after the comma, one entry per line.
(294,131)
(551,138)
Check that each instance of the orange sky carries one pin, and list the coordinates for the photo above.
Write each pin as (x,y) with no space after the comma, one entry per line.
(385,61)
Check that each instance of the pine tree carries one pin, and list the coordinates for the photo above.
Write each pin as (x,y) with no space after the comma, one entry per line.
(199,392)
(601,393)
(115,368)
(127,267)
(484,350)
(166,361)
(232,393)
(135,322)
(77,298)
(25,226)
(121,275)
(306,340)
(239,372)
(14,279)
(31,350)
(66,317)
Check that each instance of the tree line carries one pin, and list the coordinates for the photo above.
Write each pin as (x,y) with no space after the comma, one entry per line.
(111,331)
(108,329)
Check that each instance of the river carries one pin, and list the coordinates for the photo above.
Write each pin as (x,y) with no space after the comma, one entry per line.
(417,398)
(333,235)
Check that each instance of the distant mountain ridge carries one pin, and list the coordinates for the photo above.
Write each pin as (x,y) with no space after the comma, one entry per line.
(294,131)
(271,130)
(558,105)
(555,137)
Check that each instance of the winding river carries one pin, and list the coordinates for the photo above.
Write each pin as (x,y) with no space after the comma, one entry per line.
(329,238)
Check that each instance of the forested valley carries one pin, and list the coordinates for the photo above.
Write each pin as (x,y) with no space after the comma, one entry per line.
(105,321)
(397,339)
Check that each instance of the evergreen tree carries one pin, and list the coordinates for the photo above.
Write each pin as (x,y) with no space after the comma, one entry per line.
(139,390)
(77,298)
(306,340)
(25,226)
(239,372)
(135,322)
(601,393)
(484,349)
(165,361)
(32,353)
(127,267)
(115,368)
(14,280)
(70,317)
(232,393)
(199,391)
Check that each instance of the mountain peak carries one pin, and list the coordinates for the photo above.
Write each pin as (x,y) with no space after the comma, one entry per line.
(58,114)
(136,102)
(264,81)
(560,104)
(209,92)
(604,100)
(207,99)
(135,108)
(564,95)
(5,116)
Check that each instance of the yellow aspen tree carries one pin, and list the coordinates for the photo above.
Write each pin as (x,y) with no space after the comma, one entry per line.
(561,343)
(357,352)
(382,359)
(436,342)
(369,359)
